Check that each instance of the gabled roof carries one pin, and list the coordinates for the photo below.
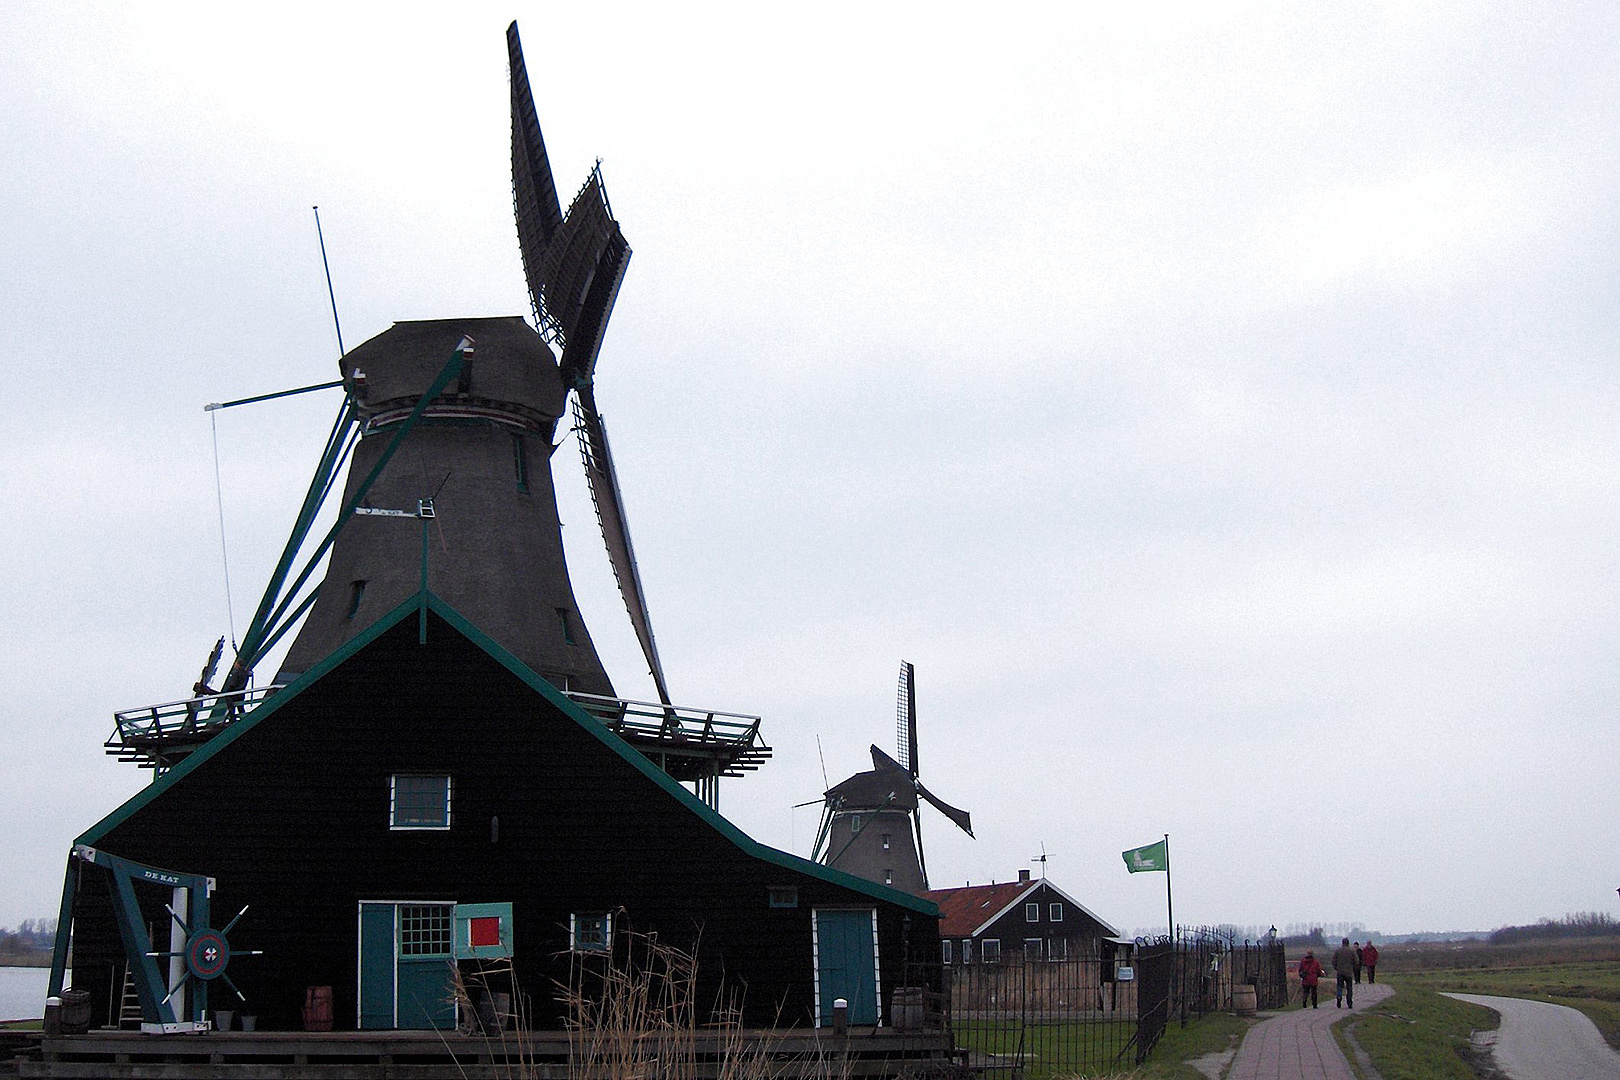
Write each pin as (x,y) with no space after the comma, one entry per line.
(417,607)
(969,911)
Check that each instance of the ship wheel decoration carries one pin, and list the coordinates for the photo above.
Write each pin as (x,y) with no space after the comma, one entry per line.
(207,951)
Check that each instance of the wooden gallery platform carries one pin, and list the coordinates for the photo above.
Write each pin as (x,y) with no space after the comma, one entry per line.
(429,1055)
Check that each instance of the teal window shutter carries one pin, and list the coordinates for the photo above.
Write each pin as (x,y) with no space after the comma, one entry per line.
(483,932)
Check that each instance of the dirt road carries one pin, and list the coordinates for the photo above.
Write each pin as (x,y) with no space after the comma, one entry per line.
(1542,1041)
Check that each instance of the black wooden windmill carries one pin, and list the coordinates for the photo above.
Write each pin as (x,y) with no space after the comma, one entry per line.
(452,424)
(871,824)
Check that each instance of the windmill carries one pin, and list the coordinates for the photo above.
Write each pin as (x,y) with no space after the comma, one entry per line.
(458,419)
(871,823)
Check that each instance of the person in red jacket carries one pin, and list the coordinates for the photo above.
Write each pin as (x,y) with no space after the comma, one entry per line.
(1310,970)
(1369,960)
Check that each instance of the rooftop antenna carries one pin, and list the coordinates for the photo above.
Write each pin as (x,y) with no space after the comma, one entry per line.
(328,268)
(1041,858)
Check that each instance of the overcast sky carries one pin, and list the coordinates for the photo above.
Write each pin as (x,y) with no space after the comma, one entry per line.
(1217,403)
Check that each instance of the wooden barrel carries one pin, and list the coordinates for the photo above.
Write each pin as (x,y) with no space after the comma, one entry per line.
(318,1008)
(1243,999)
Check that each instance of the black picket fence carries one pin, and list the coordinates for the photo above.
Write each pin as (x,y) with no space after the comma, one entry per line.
(1033,1019)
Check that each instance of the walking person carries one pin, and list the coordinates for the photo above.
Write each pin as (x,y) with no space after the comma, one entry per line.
(1310,971)
(1344,972)
(1356,945)
(1369,959)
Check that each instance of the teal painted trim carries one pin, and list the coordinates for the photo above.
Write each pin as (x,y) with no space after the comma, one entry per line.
(162,783)
(64,929)
(451,369)
(319,486)
(272,397)
(785,860)
(748,844)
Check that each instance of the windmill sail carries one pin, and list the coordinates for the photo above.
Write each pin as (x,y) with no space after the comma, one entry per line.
(534,192)
(604,484)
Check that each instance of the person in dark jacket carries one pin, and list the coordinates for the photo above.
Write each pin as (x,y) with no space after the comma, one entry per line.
(1369,960)
(1310,971)
(1344,972)
(1356,945)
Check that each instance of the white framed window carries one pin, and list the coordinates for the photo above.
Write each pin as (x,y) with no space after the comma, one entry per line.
(424,929)
(990,950)
(945,951)
(1054,912)
(1057,949)
(967,950)
(888,877)
(590,933)
(885,841)
(1032,913)
(854,823)
(418,802)
(1032,948)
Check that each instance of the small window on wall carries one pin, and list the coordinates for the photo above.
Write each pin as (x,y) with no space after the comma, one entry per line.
(424,929)
(1032,948)
(888,877)
(885,841)
(357,590)
(1032,913)
(1055,912)
(566,625)
(590,933)
(967,950)
(854,823)
(945,952)
(990,950)
(783,896)
(520,463)
(1057,949)
(418,802)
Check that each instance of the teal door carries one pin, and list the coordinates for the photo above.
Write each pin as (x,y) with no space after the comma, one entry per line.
(405,966)
(846,963)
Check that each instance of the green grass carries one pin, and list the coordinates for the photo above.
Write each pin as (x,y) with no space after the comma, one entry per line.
(1090,1049)
(1416,1034)
(1215,1033)
(1592,986)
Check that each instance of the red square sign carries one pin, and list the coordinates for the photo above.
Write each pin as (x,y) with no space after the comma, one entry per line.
(484,931)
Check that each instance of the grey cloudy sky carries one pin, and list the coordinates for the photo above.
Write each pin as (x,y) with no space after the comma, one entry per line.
(1217,403)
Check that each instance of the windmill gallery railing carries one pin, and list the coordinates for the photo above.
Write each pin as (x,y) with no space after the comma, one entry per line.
(159,736)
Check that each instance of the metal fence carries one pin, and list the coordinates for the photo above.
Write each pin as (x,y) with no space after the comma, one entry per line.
(1030,1019)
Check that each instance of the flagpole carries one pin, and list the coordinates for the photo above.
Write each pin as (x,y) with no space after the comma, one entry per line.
(1169,906)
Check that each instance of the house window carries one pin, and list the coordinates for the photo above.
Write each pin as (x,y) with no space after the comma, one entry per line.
(566,625)
(888,877)
(967,950)
(1057,949)
(854,823)
(945,952)
(1055,912)
(520,463)
(418,802)
(590,933)
(990,950)
(885,841)
(1032,948)
(783,896)
(424,929)
(1032,913)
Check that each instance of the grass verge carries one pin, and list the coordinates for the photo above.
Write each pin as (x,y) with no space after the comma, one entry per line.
(1214,1034)
(1593,987)
(1417,1034)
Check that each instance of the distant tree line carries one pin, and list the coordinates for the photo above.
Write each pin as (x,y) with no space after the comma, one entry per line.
(29,944)
(1582,924)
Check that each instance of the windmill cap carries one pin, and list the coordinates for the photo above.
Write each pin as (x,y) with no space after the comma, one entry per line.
(515,381)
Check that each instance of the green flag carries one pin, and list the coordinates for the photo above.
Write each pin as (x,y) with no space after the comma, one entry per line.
(1152,857)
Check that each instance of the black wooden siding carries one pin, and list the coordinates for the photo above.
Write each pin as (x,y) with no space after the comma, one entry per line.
(292,817)
(1082,933)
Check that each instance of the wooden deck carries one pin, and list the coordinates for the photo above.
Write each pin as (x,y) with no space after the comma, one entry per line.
(421,1055)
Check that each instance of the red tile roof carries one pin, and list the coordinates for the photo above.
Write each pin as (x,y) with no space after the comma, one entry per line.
(964,910)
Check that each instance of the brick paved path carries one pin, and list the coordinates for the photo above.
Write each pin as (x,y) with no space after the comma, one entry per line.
(1295,1044)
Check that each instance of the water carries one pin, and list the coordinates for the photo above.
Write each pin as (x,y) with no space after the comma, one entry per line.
(22,992)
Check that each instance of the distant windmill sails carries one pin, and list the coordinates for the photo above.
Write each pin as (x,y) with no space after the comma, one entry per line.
(871,823)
